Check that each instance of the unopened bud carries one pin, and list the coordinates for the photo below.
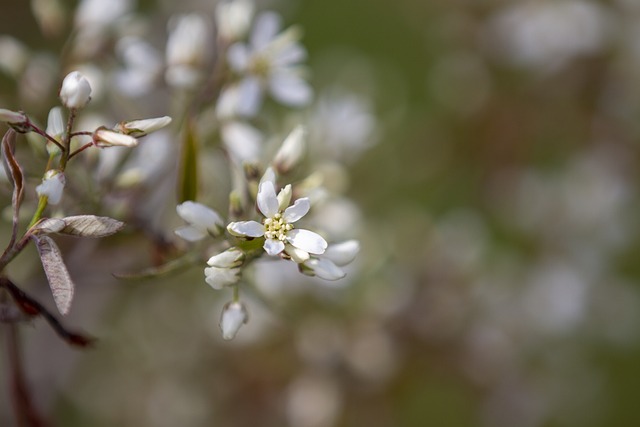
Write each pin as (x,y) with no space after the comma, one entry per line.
(55,129)
(139,128)
(52,186)
(12,117)
(234,315)
(284,197)
(75,92)
(202,221)
(291,151)
(219,278)
(108,138)
(233,18)
(232,257)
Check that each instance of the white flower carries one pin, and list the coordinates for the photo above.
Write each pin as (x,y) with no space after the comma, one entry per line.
(202,221)
(219,278)
(277,227)
(234,315)
(9,116)
(291,151)
(142,64)
(270,61)
(138,128)
(75,91)
(109,138)
(186,50)
(324,269)
(242,141)
(52,186)
(233,18)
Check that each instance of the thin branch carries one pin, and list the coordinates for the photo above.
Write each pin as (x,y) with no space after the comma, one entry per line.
(40,132)
(31,307)
(84,147)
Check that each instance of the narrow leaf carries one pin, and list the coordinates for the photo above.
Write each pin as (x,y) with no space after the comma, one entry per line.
(188,175)
(14,172)
(90,226)
(60,282)
(173,266)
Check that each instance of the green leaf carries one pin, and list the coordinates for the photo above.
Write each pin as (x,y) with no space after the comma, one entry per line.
(188,173)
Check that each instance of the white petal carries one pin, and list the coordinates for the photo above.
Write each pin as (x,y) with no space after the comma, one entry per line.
(234,315)
(265,29)
(284,196)
(307,241)
(200,216)
(249,97)
(273,247)
(238,57)
(246,228)
(297,211)
(230,258)
(325,269)
(342,253)
(291,54)
(242,141)
(267,199)
(269,175)
(291,150)
(191,234)
(52,187)
(290,89)
(219,278)
(297,255)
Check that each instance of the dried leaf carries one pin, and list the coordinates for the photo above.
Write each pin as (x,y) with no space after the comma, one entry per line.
(49,225)
(60,282)
(90,226)
(14,172)
(188,175)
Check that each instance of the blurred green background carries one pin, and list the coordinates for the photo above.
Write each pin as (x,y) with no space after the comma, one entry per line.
(499,280)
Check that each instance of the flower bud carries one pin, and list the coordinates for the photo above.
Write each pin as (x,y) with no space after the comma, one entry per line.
(284,197)
(75,91)
(233,18)
(219,278)
(234,315)
(52,186)
(138,128)
(12,117)
(202,221)
(55,129)
(108,138)
(291,151)
(232,257)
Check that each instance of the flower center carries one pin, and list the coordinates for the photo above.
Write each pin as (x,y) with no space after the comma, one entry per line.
(276,228)
(261,66)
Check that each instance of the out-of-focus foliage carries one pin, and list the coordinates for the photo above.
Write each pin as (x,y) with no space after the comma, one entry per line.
(493,150)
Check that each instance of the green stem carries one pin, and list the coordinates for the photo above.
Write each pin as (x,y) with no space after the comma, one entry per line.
(42,204)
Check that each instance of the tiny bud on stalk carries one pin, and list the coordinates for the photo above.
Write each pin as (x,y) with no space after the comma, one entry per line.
(75,92)
(108,138)
(52,186)
(139,128)
(234,315)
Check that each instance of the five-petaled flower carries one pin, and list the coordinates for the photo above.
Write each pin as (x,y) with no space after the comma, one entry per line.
(277,227)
